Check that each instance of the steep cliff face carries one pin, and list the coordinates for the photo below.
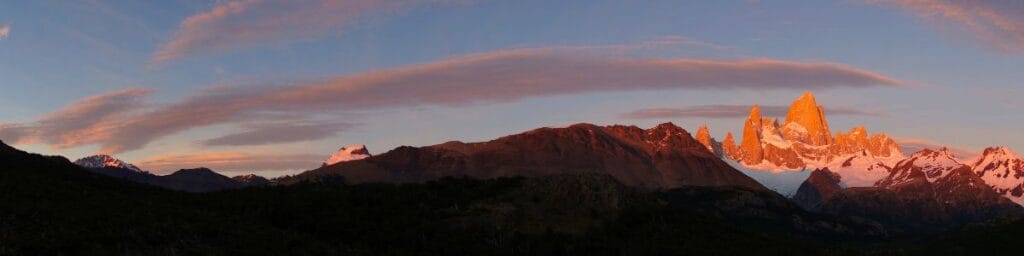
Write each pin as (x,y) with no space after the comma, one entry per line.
(751,144)
(729,147)
(806,123)
(704,137)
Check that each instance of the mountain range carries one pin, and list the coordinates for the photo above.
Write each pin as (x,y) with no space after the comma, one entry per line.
(796,178)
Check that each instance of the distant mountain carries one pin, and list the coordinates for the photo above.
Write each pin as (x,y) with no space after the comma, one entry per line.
(928,189)
(805,141)
(1003,170)
(191,180)
(198,180)
(348,153)
(665,156)
(106,161)
(777,154)
(251,180)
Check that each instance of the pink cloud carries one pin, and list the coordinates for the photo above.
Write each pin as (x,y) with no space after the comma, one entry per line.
(999,23)
(734,111)
(90,120)
(501,76)
(247,23)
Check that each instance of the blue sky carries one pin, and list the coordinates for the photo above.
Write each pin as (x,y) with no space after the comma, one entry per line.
(959,78)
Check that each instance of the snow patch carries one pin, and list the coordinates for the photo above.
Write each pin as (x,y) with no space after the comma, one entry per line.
(348,153)
(785,183)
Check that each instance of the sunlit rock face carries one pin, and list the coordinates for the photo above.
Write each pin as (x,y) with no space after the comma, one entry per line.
(805,141)
(729,147)
(704,137)
(805,122)
(750,146)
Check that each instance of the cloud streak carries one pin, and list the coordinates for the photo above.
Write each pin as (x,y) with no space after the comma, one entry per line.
(999,23)
(248,23)
(233,162)
(276,133)
(485,78)
(90,120)
(733,111)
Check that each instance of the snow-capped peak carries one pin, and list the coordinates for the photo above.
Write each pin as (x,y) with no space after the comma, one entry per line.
(859,169)
(999,152)
(1002,169)
(105,161)
(348,153)
(935,164)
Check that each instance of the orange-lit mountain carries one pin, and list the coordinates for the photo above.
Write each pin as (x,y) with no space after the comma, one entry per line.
(665,156)
(805,141)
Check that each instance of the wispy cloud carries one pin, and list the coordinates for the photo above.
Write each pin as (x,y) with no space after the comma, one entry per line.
(233,162)
(999,23)
(485,78)
(247,23)
(733,111)
(911,145)
(276,133)
(5,31)
(90,120)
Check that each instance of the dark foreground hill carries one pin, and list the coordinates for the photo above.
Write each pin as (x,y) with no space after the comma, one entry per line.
(49,206)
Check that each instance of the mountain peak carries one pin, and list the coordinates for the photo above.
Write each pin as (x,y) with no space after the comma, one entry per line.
(667,126)
(105,161)
(933,154)
(755,113)
(999,151)
(813,127)
(807,95)
(348,153)
(750,144)
(704,137)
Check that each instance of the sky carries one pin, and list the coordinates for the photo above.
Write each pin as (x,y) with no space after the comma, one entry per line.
(275,87)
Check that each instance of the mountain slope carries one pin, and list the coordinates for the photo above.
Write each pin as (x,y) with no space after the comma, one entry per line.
(665,156)
(1003,170)
(929,190)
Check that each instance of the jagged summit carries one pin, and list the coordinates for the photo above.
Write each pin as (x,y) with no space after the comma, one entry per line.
(704,137)
(106,161)
(806,122)
(348,153)
(999,151)
(1003,170)
(933,164)
(804,140)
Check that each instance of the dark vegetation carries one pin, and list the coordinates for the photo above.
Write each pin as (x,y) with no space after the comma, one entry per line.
(48,206)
